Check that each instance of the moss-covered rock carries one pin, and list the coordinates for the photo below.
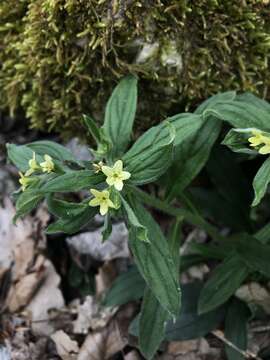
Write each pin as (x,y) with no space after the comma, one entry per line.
(61,58)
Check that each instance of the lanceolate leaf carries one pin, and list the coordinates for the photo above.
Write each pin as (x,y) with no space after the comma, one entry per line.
(139,229)
(241,115)
(191,156)
(185,125)
(261,181)
(254,100)
(127,287)
(263,235)
(20,156)
(151,154)
(151,324)
(73,224)
(189,324)
(65,209)
(236,328)
(223,283)
(72,181)
(26,202)
(155,262)
(120,114)
(56,151)
(254,253)
(237,142)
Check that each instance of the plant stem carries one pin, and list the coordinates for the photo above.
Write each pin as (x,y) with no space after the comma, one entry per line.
(186,214)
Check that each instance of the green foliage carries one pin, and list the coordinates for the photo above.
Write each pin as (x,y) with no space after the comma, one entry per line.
(178,155)
(61,59)
(236,328)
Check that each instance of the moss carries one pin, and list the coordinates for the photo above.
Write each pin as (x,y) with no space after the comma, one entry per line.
(61,58)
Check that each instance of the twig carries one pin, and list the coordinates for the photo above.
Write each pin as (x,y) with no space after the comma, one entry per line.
(260,329)
(247,354)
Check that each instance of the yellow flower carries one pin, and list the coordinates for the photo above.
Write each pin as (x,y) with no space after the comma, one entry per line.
(24,181)
(33,166)
(101,199)
(259,139)
(116,175)
(47,165)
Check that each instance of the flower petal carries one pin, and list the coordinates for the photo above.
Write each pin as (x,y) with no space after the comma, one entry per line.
(110,204)
(118,166)
(118,184)
(103,208)
(265,150)
(107,170)
(125,175)
(110,180)
(94,202)
(96,193)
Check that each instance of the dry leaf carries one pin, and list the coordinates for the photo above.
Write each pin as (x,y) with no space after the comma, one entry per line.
(102,345)
(256,294)
(66,348)
(46,298)
(22,292)
(91,315)
(183,347)
(17,245)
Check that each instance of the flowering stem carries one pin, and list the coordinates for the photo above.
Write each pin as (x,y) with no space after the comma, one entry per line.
(170,210)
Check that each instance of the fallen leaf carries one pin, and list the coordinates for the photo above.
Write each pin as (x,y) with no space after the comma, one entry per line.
(17,244)
(102,345)
(66,348)
(92,316)
(256,294)
(46,298)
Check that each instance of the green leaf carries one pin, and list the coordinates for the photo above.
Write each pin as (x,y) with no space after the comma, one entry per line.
(185,125)
(64,209)
(152,323)
(191,156)
(261,181)
(103,144)
(263,235)
(215,99)
(73,224)
(120,114)
(241,115)
(236,328)
(236,140)
(140,231)
(174,241)
(93,129)
(255,254)
(107,228)
(127,287)
(151,154)
(254,100)
(26,202)
(155,261)
(225,280)
(20,156)
(189,325)
(72,181)
(56,151)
